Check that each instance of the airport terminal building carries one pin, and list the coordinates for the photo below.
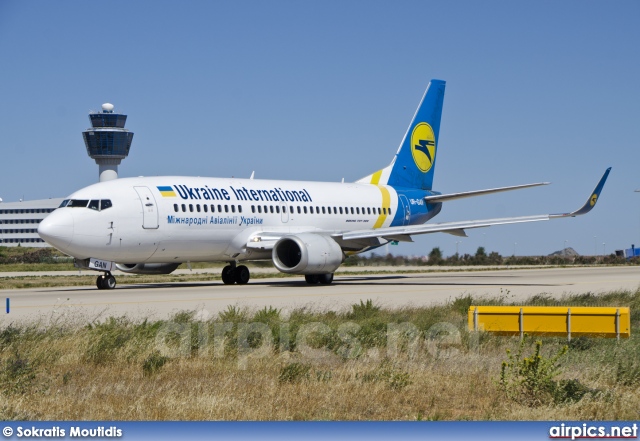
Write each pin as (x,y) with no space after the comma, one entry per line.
(107,142)
(19,222)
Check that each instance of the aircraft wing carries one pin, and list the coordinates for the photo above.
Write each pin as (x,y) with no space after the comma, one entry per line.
(404,233)
(468,194)
(265,240)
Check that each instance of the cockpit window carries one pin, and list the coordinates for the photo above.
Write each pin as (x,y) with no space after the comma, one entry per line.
(94,204)
(75,203)
(105,203)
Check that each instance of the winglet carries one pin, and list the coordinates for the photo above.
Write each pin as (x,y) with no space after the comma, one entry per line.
(591,202)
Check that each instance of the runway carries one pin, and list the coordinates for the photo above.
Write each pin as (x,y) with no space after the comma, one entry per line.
(158,301)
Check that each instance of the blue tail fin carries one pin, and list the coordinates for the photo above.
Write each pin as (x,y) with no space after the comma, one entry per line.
(415,161)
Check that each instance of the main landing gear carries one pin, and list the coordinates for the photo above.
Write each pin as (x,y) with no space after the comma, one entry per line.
(323,279)
(235,274)
(106,281)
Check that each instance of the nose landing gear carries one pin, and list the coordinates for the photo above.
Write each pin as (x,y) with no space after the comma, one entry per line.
(106,281)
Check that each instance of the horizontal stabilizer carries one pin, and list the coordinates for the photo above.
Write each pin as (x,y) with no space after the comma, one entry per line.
(467,194)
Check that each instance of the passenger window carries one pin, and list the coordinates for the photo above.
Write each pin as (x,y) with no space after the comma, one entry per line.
(198,208)
(305,209)
(259,208)
(239,208)
(323,210)
(389,210)
(271,209)
(368,210)
(351,210)
(277,209)
(226,208)
(358,210)
(299,211)
(340,210)
(379,210)
(233,208)
(253,208)
(205,208)
(191,208)
(219,208)
(384,210)
(175,208)
(266,209)
(213,208)
(94,204)
(311,210)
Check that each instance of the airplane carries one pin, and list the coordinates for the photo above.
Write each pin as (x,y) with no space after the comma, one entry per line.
(150,225)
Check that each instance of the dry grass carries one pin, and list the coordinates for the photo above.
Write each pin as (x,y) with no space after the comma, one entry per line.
(116,370)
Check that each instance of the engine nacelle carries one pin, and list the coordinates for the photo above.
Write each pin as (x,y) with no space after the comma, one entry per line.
(307,253)
(147,268)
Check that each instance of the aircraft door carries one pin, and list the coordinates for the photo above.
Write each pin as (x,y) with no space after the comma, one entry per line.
(284,212)
(149,208)
(406,209)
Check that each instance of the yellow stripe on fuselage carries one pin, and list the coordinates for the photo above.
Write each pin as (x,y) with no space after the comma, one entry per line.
(386,200)
(375,178)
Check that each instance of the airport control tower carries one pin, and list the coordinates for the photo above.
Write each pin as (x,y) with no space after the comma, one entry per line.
(107,141)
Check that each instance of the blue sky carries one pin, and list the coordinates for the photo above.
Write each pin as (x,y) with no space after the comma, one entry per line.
(536,91)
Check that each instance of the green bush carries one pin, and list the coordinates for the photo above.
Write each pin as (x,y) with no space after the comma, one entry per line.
(18,375)
(531,380)
(628,373)
(153,363)
(363,310)
(233,314)
(294,372)
(385,373)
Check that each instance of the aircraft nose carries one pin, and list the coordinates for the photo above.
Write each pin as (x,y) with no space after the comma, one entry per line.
(57,229)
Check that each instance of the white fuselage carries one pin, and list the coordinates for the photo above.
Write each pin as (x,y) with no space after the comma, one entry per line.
(213,219)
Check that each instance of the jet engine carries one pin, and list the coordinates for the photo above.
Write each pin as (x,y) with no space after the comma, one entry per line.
(307,253)
(147,268)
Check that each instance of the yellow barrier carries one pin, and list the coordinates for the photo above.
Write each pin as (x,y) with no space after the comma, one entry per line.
(609,322)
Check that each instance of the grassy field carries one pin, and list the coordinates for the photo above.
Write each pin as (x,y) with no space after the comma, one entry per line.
(365,363)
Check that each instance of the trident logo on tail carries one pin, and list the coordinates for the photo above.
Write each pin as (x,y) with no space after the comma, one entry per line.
(423,146)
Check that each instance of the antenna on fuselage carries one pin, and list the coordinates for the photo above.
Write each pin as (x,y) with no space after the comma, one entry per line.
(252,174)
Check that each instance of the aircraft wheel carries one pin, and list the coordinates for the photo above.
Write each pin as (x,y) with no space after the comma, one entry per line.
(325,279)
(242,275)
(100,282)
(228,275)
(109,282)
(311,279)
